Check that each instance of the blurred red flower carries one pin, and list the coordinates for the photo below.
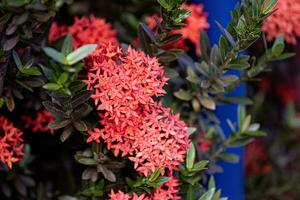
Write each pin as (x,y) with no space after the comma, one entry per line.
(39,122)
(85,30)
(284,21)
(195,22)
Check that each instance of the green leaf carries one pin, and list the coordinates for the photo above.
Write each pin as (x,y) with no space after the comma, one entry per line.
(167,4)
(87,161)
(1,102)
(63,78)
(55,55)
(80,125)
(17,59)
(240,62)
(278,46)
(183,95)
(211,183)
(52,86)
(208,195)
(66,133)
(162,179)
(207,102)
(108,174)
(269,5)
(199,166)
(190,156)
(34,71)
(191,130)
(80,53)
(228,157)
(254,133)
(246,123)
(67,45)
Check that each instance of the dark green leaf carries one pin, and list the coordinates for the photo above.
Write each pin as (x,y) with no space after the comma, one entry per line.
(67,45)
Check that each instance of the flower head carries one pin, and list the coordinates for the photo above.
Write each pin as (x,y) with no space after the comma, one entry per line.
(167,191)
(284,21)
(195,22)
(123,196)
(133,123)
(11,147)
(85,30)
(40,121)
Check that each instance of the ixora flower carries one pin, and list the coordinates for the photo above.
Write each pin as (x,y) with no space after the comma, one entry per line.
(168,191)
(195,22)
(133,124)
(85,30)
(40,121)
(11,147)
(284,21)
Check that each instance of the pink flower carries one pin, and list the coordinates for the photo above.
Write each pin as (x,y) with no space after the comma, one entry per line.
(191,31)
(133,124)
(167,191)
(40,121)
(123,196)
(85,30)
(11,147)
(284,21)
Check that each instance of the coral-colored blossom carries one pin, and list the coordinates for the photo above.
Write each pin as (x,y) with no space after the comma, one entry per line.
(85,30)
(40,121)
(124,196)
(11,146)
(195,22)
(133,123)
(284,21)
(167,191)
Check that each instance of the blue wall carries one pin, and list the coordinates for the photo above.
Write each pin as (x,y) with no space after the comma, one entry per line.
(232,180)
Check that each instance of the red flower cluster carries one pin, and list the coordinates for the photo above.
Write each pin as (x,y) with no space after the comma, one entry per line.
(40,121)
(284,21)
(168,191)
(256,160)
(133,123)
(85,30)
(191,31)
(11,147)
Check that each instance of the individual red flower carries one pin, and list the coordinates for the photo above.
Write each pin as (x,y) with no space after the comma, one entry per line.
(256,159)
(11,146)
(133,123)
(284,21)
(195,22)
(85,30)
(287,93)
(40,121)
